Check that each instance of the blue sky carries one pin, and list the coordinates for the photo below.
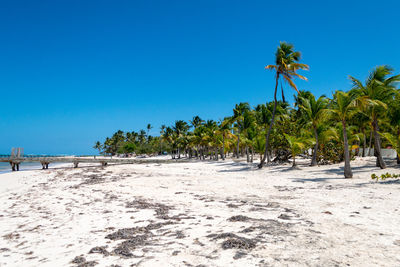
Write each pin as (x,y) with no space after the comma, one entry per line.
(73,72)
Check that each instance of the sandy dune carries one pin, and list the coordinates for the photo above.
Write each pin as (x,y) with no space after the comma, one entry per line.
(200,214)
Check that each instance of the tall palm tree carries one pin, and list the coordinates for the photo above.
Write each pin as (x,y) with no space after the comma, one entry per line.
(315,112)
(162,131)
(343,106)
(378,90)
(286,65)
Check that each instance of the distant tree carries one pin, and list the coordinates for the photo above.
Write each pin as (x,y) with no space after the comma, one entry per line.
(98,146)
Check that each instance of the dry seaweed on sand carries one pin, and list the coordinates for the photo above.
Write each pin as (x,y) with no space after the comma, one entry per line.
(234,241)
(80,261)
(128,233)
(239,218)
(160,209)
(100,250)
(238,243)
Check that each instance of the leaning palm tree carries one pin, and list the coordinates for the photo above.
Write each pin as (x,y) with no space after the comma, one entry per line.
(343,106)
(378,90)
(314,112)
(286,66)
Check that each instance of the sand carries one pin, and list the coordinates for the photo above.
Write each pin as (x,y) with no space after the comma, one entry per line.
(200,214)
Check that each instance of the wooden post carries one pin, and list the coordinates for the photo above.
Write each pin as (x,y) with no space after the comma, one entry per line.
(104,163)
(76,164)
(12,166)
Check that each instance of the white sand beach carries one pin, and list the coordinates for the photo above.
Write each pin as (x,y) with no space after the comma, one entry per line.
(200,214)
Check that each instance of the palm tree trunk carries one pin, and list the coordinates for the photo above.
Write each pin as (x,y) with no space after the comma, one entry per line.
(294,161)
(314,157)
(347,168)
(252,155)
(270,126)
(247,154)
(364,142)
(379,160)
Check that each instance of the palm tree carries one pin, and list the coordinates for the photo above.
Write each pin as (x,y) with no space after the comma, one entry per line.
(237,117)
(98,146)
(378,90)
(315,112)
(286,66)
(196,122)
(297,145)
(149,127)
(225,130)
(343,107)
(162,131)
(180,128)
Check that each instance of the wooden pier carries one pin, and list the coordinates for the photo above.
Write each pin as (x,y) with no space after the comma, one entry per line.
(103,161)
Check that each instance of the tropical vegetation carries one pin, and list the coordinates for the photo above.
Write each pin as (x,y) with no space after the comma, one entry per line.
(322,129)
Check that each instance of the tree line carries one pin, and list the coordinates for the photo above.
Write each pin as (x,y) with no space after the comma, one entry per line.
(327,128)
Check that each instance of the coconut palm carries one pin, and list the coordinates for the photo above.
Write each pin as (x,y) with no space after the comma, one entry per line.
(297,145)
(98,146)
(378,90)
(238,113)
(286,66)
(314,112)
(343,106)
(162,131)
(225,128)
(196,122)
(180,128)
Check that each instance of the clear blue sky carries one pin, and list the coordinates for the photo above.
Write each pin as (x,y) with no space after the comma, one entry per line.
(73,72)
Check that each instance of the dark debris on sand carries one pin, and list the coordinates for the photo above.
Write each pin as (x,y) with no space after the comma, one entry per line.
(160,209)
(100,250)
(239,218)
(234,241)
(238,243)
(128,233)
(80,261)
(124,249)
